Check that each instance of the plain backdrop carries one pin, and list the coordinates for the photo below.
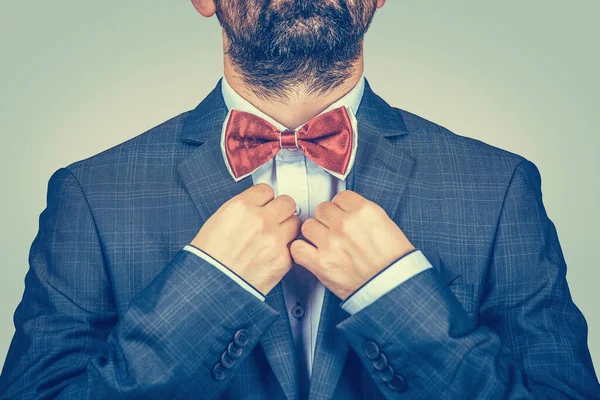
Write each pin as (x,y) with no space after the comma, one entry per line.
(78,77)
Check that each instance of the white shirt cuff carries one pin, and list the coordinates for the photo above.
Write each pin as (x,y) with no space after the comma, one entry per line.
(399,271)
(239,280)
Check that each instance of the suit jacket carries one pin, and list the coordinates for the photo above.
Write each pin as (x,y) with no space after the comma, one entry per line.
(115,308)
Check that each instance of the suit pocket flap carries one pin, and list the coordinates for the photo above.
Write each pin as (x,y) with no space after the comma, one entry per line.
(448,275)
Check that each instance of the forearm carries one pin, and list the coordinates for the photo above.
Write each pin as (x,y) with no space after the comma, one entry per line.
(166,344)
(436,348)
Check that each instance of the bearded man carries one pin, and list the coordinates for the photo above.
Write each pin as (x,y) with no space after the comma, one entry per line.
(295,236)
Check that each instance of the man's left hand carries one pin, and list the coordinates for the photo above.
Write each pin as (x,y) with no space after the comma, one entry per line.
(352,239)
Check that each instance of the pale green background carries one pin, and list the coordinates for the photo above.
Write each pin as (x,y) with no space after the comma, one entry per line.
(79,77)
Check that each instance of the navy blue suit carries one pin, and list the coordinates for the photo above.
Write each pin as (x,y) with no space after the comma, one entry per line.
(114,308)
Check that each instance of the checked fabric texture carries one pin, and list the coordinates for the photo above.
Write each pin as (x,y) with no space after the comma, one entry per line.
(114,308)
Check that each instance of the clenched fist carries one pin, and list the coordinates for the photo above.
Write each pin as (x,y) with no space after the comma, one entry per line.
(250,234)
(352,240)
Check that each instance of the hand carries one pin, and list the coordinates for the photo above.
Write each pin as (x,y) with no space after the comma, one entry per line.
(352,240)
(250,234)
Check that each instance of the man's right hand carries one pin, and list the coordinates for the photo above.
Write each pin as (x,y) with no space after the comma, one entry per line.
(250,234)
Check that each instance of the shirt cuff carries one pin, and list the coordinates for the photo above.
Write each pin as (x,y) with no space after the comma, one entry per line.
(238,279)
(399,271)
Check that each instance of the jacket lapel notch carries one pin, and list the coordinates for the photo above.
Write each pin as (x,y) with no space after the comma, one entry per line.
(207,179)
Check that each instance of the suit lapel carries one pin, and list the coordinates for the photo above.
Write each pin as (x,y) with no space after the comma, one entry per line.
(380,174)
(209,184)
(278,345)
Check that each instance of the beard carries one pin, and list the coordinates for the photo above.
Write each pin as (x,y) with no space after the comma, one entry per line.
(276,45)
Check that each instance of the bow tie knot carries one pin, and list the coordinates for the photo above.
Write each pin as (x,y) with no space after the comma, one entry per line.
(250,141)
(288,139)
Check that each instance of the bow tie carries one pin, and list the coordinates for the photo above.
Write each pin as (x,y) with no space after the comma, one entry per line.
(250,141)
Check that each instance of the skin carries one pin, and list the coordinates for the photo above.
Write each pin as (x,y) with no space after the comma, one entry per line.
(255,234)
(297,104)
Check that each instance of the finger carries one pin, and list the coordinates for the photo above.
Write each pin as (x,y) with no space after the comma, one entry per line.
(348,200)
(328,213)
(305,255)
(315,231)
(259,194)
(283,207)
(290,228)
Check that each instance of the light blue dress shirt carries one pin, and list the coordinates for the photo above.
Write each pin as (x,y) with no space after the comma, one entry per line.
(291,172)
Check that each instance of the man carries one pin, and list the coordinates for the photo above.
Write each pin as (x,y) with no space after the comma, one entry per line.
(294,236)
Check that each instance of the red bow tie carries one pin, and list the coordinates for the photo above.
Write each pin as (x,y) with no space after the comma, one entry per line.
(250,141)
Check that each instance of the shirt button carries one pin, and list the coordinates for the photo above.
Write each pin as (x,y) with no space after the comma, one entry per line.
(297,311)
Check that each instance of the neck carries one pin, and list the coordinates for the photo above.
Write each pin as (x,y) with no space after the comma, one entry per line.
(300,105)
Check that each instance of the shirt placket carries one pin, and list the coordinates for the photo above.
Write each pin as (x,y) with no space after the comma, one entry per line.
(292,180)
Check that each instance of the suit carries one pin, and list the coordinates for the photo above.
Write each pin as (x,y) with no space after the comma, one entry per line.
(114,307)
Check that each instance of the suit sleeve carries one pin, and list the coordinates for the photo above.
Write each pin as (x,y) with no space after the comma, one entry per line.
(530,340)
(70,343)
(232,275)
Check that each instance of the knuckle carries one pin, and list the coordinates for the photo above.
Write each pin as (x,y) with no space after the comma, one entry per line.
(343,195)
(320,208)
(365,209)
(287,197)
(265,188)
(288,200)
(335,243)
(239,206)
(260,221)
(377,209)
(345,225)
(336,198)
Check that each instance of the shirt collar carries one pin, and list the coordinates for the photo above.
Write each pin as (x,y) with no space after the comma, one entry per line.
(234,101)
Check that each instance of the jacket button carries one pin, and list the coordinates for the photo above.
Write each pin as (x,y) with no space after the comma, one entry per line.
(381,362)
(234,351)
(218,372)
(241,338)
(387,374)
(226,360)
(371,350)
(398,384)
